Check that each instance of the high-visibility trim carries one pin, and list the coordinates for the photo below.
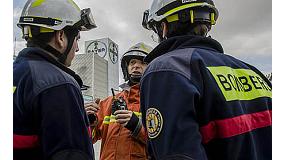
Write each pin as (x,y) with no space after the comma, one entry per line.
(30,32)
(37,3)
(112,119)
(190,5)
(21,141)
(172,18)
(106,120)
(144,48)
(109,119)
(74,4)
(213,21)
(93,133)
(45,30)
(139,114)
(14,88)
(175,17)
(191,16)
(235,126)
(240,84)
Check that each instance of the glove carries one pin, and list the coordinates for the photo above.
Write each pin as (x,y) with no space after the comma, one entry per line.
(134,125)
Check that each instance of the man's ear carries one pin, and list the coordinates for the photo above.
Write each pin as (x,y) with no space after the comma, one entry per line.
(60,39)
(164,30)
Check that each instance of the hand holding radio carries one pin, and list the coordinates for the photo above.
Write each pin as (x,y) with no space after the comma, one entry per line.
(118,103)
(125,117)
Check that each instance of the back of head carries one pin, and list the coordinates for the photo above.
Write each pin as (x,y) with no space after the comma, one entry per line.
(138,51)
(183,17)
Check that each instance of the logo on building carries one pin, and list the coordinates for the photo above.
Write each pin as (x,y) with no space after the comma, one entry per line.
(113,52)
(97,47)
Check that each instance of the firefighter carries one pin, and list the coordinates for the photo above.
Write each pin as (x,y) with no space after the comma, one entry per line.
(118,122)
(196,101)
(49,120)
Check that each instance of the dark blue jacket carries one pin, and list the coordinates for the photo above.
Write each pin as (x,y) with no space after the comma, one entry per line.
(198,103)
(48,115)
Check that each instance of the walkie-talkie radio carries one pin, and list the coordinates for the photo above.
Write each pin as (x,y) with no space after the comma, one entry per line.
(118,104)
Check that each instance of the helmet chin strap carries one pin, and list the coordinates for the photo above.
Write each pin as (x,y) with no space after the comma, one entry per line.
(134,79)
(161,38)
(159,32)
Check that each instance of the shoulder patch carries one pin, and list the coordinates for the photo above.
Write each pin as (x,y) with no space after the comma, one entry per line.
(154,122)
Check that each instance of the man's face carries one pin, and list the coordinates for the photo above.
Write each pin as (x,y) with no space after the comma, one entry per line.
(136,67)
(72,51)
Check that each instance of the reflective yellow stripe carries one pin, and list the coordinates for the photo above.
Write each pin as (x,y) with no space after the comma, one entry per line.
(109,119)
(191,16)
(74,4)
(106,120)
(213,19)
(144,48)
(30,32)
(37,3)
(240,84)
(172,18)
(186,6)
(45,30)
(14,88)
(112,119)
(93,132)
(139,114)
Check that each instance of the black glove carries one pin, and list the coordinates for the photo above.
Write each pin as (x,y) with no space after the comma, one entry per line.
(134,125)
(92,118)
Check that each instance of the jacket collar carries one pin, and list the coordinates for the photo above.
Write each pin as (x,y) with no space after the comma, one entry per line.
(39,53)
(127,87)
(181,42)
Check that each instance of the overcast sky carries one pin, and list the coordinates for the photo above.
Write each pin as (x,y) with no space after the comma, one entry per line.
(244,27)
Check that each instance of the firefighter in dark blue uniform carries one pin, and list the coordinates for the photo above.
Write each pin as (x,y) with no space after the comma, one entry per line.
(49,117)
(196,101)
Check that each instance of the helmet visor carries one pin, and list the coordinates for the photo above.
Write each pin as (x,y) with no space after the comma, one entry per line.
(87,21)
(145,19)
(135,53)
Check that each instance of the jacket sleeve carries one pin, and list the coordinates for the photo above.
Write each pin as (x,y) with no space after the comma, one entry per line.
(64,124)
(136,128)
(142,135)
(168,101)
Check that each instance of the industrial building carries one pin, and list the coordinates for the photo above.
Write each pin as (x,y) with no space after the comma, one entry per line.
(98,67)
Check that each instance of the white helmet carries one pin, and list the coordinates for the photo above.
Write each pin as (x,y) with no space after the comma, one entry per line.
(138,51)
(199,10)
(55,15)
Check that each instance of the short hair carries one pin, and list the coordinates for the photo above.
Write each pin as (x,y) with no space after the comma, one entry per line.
(42,39)
(39,38)
(178,28)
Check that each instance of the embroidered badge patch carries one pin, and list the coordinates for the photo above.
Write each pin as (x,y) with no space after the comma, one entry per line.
(154,122)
